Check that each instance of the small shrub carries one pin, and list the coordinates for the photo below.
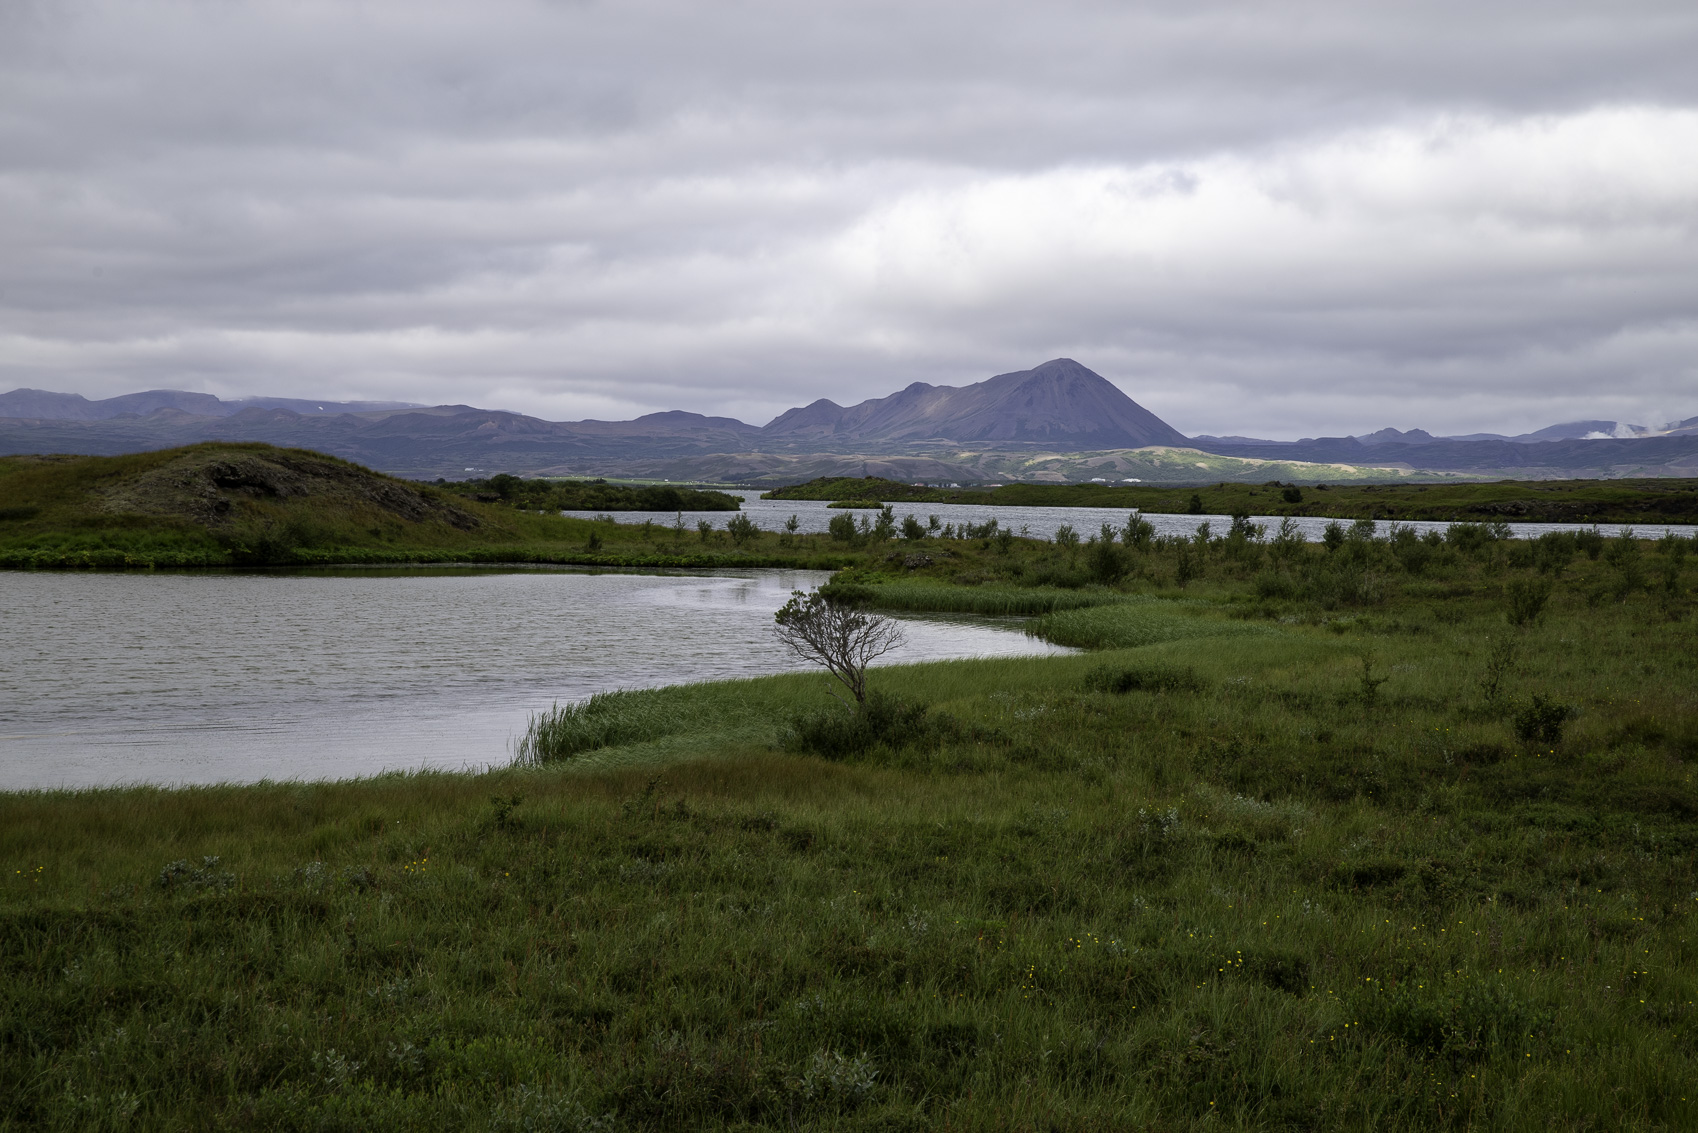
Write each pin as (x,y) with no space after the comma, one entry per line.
(885,528)
(1344,583)
(1148,678)
(882,721)
(1499,665)
(912,529)
(1541,719)
(1553,550)
(1292,494)
(1526,598)
(1108,561)
(1288,541)
(1590,542)
(1368,683)
(842,529)
(742,529)
(1333,537)
(1275,584)
(1410,549)
(1622,553)
(1195,507)
(1474,538)
(1138,532)
(1186,568)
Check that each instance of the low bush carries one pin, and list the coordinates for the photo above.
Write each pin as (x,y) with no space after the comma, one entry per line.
(883,721)
(1541,719)
(1276,584)
(1149,678)
(1526,598)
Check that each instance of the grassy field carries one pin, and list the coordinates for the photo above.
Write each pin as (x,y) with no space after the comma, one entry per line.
(1386,835)
(1552,501)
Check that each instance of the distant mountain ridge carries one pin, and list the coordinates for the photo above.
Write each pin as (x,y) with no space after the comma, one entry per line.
(40,404)
(1059,415)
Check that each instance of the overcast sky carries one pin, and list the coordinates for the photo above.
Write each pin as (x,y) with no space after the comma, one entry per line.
(1269,218)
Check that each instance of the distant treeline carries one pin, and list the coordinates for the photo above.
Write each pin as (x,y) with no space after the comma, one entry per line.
(1536,501)
(591,495)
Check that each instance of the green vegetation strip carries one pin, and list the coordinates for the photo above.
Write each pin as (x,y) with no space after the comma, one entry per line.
(1549,501)
(992,601)
(590,495)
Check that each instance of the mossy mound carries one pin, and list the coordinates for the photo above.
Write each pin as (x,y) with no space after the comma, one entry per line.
(220,486)
(213,504)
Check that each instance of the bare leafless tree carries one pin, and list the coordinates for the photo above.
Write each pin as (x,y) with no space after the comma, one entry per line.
(838,636)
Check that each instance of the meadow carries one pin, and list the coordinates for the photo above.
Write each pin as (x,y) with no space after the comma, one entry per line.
(1383,832)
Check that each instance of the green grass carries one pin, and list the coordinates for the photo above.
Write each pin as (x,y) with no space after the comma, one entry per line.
(992,601)
(1307,876)
(1130,625)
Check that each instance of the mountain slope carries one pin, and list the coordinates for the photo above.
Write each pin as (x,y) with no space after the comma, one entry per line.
(44,405)
(1059,404)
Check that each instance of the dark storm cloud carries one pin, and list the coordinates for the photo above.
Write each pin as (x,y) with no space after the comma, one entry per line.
(1271,218)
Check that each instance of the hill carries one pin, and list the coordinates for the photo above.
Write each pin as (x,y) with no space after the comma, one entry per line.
(256,505)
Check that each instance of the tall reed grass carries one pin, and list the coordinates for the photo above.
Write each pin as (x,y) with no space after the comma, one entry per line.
(992,601)
(1128,625)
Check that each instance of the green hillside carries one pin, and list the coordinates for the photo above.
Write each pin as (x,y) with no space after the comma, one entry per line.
(221,504)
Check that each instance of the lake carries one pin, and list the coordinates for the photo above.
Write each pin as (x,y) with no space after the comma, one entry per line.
(234,677)
(812,516)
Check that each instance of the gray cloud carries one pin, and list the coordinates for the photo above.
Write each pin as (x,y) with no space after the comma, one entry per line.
(1268,218)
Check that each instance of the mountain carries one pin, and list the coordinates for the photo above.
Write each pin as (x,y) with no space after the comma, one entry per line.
(1393,436)
(1056,421)
(43,405)
(1059,405)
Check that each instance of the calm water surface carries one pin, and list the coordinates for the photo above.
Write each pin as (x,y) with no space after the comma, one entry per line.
(812,516)
(161,678)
